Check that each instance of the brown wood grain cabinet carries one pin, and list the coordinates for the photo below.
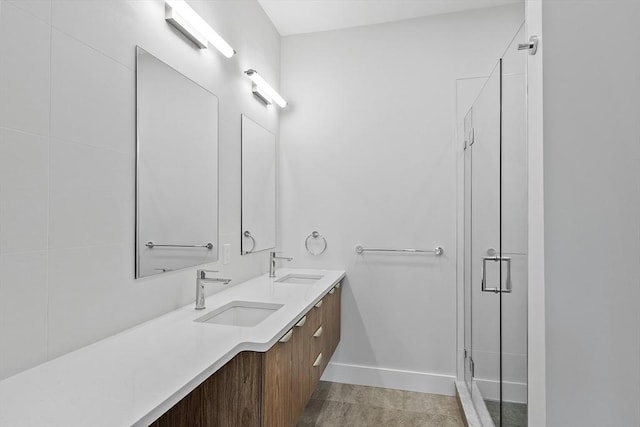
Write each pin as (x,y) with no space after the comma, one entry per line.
(277,383)
(269,389)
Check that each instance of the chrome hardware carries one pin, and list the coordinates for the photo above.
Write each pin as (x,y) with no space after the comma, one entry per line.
(253,240)
(152,245)
(302,321)
(200,282)
(469,138)
(272,262)
(332,291)
(318,360)
(532,46)
(287,336)
(318,304)
(315,235)
(437,251)
(484,288)
(318,333)
(338,285)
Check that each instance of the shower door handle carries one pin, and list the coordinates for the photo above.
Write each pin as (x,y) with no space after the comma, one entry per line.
(500,260)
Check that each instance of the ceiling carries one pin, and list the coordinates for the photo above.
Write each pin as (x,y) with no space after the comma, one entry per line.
(308,16)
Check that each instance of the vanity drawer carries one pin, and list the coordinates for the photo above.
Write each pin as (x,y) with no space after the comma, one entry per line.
(314,315)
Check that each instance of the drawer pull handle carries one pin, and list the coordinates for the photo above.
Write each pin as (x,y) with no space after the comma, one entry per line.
(287,336)
(318,333)
(332,291)
(302,321)
(318,360)
(338,285)
(318,304)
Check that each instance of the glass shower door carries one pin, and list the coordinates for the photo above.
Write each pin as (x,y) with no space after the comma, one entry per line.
(495,239)
(514,235)
(485,272)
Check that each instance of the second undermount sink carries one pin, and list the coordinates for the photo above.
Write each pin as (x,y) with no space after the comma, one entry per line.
(300,279)
(240,313)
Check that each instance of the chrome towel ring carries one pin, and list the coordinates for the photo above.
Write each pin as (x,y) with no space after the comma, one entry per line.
(253,240)
(315,235)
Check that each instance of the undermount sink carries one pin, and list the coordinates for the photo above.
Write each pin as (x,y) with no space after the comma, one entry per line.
(301,279)
(240,313)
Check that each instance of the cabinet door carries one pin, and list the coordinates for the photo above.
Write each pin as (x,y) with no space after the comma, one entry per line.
(300,366)
(333,320)
(276,392)
(228,398)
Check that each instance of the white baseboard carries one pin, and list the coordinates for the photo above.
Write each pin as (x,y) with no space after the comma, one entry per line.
(423,382)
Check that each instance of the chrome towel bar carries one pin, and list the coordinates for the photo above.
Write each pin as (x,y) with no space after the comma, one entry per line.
(437,251)
(152,245)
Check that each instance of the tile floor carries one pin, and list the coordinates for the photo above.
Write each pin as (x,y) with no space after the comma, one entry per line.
(346,405)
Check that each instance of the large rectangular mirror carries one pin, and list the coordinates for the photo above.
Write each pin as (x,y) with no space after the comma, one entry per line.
(258,187)
(176,169)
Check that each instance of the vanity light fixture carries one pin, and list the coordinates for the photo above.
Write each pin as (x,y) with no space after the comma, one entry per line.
(263,90)
(261,94)
(179,14)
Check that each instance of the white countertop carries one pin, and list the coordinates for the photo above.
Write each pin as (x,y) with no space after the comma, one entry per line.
(135,376)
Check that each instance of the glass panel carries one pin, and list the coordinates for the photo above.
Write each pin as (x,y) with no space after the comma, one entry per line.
(514,234)
(485,235)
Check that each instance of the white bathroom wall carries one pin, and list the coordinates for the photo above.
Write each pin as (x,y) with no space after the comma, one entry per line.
(591,212)
(368,156)
(67,157)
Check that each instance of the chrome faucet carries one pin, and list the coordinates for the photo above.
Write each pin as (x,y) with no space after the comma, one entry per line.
(200,282)
(272,262)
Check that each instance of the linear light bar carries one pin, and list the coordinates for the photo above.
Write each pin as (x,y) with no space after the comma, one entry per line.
(179,14)
(259,93)
(265,88)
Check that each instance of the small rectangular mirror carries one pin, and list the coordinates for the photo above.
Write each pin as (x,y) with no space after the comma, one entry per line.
(258,187)
(176,169)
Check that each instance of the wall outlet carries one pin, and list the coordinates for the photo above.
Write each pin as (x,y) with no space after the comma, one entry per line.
(226,254)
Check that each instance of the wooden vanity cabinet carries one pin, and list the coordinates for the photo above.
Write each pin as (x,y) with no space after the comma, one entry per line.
(277,376)
(332,314)
(224,399)
(269,389)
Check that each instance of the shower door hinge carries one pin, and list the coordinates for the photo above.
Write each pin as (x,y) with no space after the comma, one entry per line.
(532,46)
(469,139)
(472,367)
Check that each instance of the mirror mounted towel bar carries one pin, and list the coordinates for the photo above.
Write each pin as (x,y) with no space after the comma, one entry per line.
(437,251)
(253,242)
(152,245)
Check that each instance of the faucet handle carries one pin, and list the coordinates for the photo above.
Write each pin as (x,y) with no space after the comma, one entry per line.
(202,274)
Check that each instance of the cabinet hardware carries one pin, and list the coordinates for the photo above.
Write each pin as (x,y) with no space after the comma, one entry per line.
(338,285)
(287,336)
(318,333)
(302,321)
(332,291)
(318,304)
(318,360)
